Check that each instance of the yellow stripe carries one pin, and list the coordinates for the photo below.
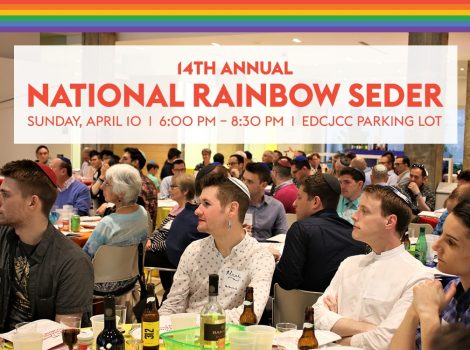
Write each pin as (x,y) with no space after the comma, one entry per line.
(234,12)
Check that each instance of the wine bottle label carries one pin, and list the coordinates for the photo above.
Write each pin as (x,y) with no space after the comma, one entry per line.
(150,299)
(150,333)
(308,325)
(214,332)
(247,302)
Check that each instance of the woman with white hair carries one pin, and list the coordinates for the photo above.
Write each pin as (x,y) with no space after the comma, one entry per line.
(128,225)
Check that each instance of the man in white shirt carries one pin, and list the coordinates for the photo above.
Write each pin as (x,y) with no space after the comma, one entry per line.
(370,294)
(388,159)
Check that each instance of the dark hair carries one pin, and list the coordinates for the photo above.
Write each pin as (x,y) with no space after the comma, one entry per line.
(177,161)
(106,153)
(227,192)
(350,155)
(114,159)
(173,153)
(462,212)
(260,169)
(95,153)
(39,147)
(282,167)
(66,164)
(320,185)
(300,161)
(208,169)
(421,167)
(391,203)
(218,158)
(310,156)
(136,155)
(279,153)
(406,160)
(356,174)
(151,166)
(32,181)
(248,155)
(453,336)
(301,152)
(464,175)
(390,156)
(240,159)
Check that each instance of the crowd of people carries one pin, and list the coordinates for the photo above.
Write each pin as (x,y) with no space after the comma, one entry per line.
(346,241)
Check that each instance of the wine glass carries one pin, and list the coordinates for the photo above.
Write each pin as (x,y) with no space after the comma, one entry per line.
(72,329)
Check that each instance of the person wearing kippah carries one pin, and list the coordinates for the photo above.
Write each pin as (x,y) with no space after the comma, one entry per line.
(71,191)
(43,274)
(229,251)
(369,294)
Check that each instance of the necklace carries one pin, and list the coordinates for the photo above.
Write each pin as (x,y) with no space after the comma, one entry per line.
(125,206)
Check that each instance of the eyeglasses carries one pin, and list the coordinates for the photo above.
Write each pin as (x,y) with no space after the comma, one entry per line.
(420,166)
(232,163)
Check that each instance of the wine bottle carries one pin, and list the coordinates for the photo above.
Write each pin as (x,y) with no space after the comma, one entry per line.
(150,321)
(110,338)
(308,339)
(248,316)
(212,330)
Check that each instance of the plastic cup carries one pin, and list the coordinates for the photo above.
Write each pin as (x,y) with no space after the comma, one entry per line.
(285,327)
(26,340)
(264,336)
(121,311)
(242,341)
(71,321)
(97,324)
(134,344)
(184,320)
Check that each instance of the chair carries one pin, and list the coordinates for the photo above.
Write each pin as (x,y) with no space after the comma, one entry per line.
(289,305)
(413,229)
(291,218)
(116,263)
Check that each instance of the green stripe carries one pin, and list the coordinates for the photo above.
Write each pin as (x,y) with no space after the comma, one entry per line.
(231,18)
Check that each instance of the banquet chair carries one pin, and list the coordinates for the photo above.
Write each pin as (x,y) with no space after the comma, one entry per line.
(116,263)
(289,305)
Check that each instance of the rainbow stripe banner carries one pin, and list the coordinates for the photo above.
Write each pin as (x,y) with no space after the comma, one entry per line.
(235,16)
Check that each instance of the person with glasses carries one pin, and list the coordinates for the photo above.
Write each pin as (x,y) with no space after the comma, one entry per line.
(369,294)
(71,191)
(182,192)
(177,167)
(402,169)
(236,164)
(421,195)
(285,191)
(388,160)
(300,168)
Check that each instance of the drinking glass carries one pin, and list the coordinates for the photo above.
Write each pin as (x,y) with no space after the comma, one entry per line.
(121,311)
(285,327)
(72,329)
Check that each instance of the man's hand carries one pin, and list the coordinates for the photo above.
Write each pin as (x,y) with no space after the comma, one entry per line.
(413,187)
(101,209)
(147,245)
(429,297)
(331,303)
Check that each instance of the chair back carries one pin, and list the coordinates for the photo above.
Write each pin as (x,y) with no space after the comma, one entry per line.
(291,218)
(116,263)
(413,229)
(289,305)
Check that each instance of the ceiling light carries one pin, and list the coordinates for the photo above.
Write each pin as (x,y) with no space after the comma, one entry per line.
(215,44)
(462,68)
(296,40)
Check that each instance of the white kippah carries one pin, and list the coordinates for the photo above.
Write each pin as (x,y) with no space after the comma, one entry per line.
(240,185)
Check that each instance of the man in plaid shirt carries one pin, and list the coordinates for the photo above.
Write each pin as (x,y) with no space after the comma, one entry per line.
(430,302)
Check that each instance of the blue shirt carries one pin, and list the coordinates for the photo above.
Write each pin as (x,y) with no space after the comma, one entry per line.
(76,194)
(347,208)
(119,229)
(440,225)
(458,310)
(269,218)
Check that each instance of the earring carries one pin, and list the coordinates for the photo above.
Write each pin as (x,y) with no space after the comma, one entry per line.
(229,225)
